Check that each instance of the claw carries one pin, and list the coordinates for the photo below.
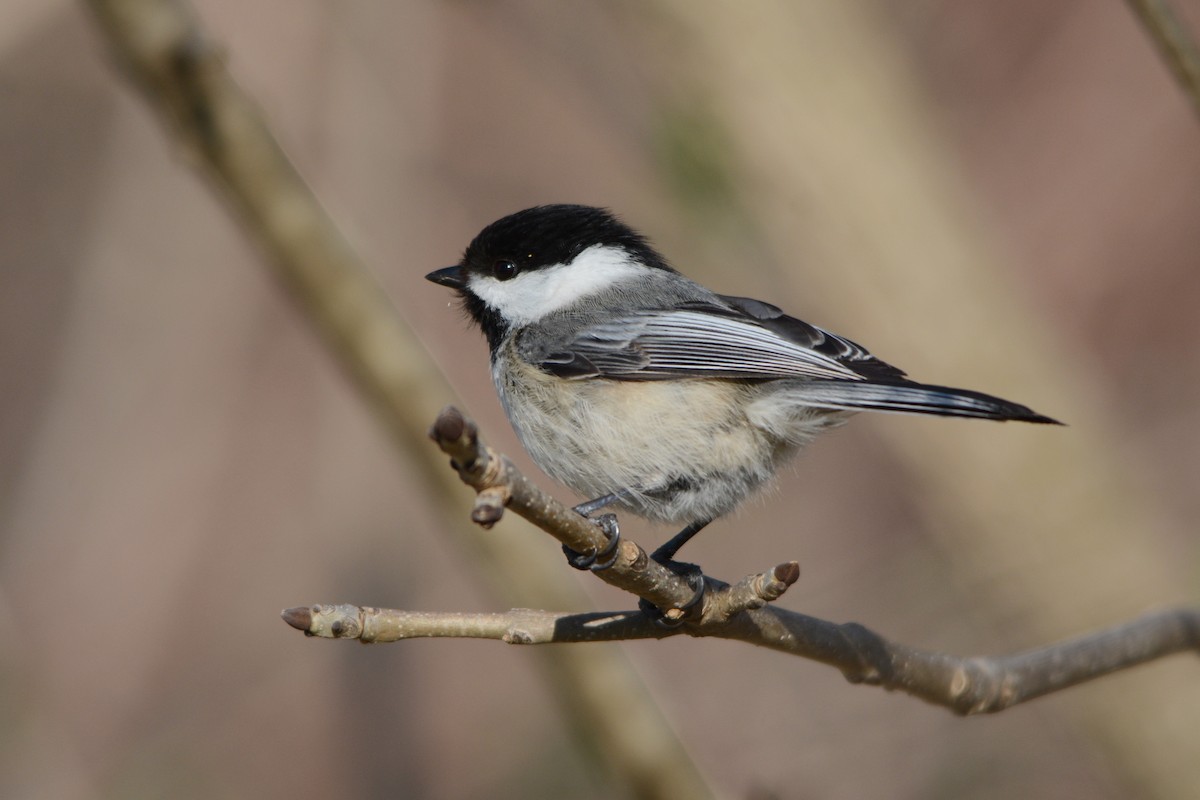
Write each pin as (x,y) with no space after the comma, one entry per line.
(674,617)
(608,556)
(603,558)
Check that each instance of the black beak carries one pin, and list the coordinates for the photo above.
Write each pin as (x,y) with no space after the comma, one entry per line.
(454,277)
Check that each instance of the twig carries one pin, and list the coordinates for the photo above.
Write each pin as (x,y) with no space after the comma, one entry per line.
(495,478)
(518,626)
(970,685)
(1174,43)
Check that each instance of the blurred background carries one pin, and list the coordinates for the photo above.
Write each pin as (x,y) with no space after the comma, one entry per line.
(994,195)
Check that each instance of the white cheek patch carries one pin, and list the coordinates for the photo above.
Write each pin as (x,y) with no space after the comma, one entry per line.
(532,295)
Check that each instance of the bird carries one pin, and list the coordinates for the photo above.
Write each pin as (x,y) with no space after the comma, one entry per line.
(647,392)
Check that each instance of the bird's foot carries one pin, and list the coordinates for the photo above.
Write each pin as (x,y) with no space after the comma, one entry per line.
(605,557)
(675,617)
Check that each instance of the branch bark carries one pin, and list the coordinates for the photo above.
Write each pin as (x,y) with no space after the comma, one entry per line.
(966,685)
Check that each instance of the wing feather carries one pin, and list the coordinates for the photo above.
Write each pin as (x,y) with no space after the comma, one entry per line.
(660,345)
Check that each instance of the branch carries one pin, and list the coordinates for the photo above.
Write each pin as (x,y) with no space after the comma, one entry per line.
(969,685)
(1174,44)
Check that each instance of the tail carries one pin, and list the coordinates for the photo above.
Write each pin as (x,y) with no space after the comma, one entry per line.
(911,398)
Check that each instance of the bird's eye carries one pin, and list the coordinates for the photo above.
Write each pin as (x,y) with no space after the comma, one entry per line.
(504,269)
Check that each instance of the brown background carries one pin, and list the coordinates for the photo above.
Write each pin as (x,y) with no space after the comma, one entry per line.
(179,458)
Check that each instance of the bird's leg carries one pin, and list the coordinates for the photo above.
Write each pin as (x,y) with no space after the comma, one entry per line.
(586,509)
(605,558)
(666,553)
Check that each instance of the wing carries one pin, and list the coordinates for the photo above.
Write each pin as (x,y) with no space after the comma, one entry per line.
(752,340)
(737,338)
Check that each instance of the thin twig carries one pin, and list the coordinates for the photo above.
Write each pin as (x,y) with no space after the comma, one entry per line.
(1174,43)
(518,626)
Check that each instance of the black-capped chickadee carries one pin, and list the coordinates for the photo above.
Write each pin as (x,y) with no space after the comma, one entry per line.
(642,389)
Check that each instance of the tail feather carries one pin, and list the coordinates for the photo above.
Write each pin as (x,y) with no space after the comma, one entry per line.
(913,398)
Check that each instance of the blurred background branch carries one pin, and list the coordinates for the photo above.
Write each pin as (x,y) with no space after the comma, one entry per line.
(163,49)
(1176,45)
